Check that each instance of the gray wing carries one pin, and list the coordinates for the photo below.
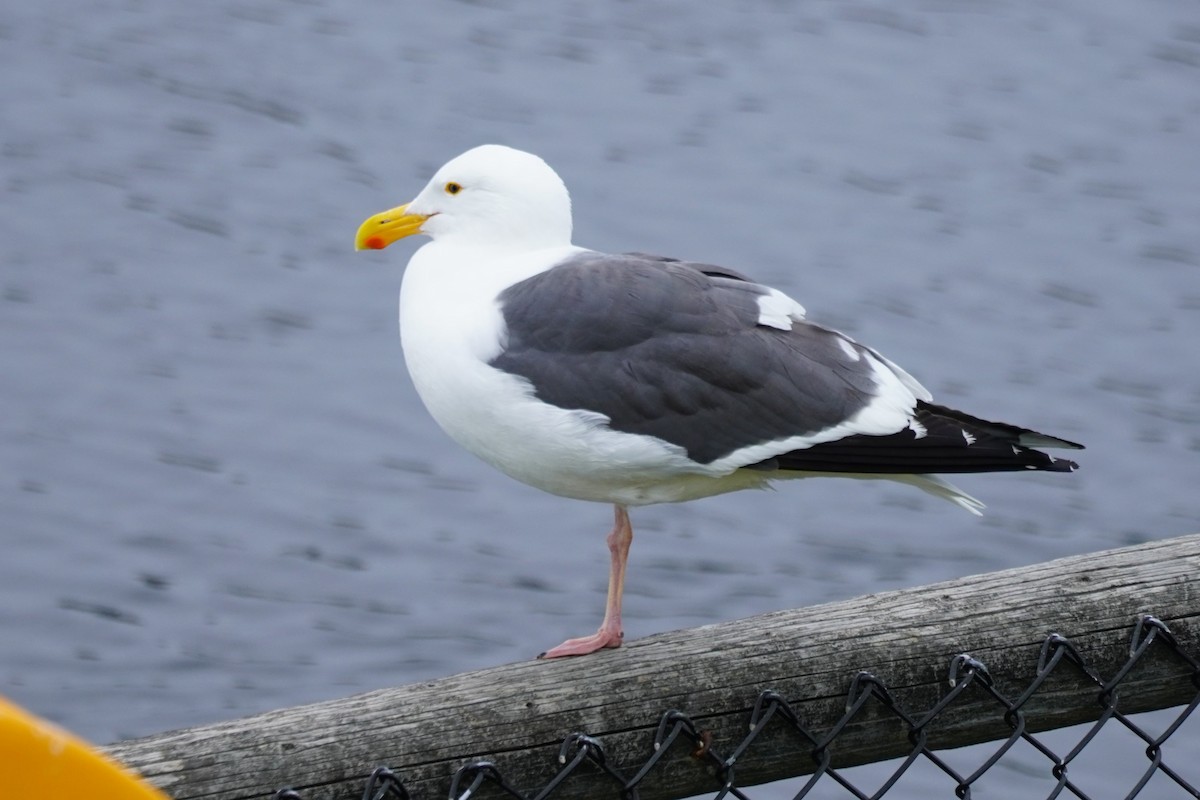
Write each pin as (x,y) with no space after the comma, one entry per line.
(675,350)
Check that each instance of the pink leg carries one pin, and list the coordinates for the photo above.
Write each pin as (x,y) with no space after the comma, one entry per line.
(610,633)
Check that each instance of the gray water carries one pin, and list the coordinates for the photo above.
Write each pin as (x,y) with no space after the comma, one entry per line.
(220,494)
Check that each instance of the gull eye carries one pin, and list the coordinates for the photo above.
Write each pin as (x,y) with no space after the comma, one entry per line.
(453,188)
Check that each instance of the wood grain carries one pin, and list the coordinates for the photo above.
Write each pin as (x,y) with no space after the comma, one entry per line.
(518,714)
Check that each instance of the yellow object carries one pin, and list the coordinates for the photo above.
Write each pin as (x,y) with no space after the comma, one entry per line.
(41,760)
(386,227)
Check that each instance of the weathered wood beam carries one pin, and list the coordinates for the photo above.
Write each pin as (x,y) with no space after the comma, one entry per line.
(517,715)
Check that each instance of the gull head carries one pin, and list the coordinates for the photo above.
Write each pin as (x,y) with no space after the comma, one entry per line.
(490,196)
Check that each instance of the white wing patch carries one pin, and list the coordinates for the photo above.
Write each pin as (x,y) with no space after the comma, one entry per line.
(777,310)
(849,349)
(970,439)
(919,431)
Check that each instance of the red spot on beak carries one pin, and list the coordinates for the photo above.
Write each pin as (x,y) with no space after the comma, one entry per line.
(375,243)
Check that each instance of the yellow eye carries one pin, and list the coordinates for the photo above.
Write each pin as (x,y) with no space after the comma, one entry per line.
(453,188)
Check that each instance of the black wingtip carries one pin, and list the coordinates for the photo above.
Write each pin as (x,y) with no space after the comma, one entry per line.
(1030,438)
(943,441)
(1056,464)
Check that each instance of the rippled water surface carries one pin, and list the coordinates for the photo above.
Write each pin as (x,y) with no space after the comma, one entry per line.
(220,494)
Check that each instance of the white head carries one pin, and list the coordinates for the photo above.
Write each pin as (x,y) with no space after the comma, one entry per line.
(491,196)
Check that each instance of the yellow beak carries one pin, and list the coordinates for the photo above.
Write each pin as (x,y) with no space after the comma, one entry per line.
(386,227)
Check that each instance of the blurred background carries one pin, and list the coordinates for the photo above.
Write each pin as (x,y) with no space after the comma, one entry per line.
(219,492)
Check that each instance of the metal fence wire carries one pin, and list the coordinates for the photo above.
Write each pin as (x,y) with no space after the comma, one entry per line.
(580,751)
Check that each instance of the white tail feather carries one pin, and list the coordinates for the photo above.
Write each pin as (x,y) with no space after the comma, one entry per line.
(942,488)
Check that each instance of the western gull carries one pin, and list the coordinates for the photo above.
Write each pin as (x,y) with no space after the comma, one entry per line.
(634,379)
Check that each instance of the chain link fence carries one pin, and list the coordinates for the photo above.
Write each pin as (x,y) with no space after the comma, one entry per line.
(818,749)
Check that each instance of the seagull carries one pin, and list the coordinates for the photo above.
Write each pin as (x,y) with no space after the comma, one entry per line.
(635,379)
